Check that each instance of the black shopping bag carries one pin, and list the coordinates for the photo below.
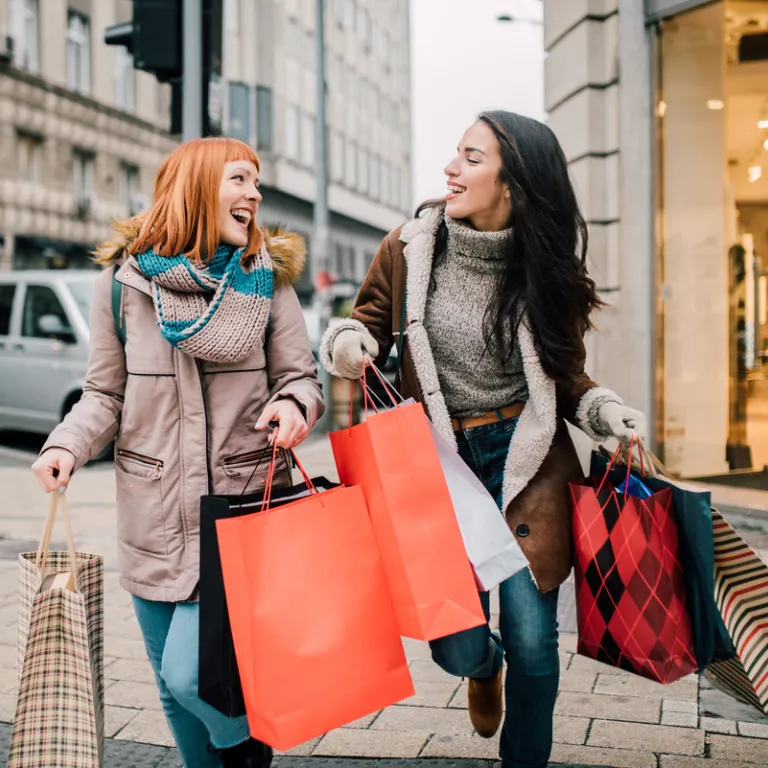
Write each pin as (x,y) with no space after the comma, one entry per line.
(219,679)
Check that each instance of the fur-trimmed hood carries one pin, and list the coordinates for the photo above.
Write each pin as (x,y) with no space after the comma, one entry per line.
(287,250)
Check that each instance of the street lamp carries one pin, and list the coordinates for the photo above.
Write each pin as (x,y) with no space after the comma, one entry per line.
(517,19)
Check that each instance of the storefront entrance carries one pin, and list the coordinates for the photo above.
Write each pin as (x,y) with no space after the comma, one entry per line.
(712,117)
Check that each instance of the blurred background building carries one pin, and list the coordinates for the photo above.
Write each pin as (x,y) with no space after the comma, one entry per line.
(82,133)
(662,109)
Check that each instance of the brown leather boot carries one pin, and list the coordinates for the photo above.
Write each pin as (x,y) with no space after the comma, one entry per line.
(485,707)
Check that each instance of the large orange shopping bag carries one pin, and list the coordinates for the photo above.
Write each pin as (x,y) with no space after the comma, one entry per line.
(313,625)
(393,458)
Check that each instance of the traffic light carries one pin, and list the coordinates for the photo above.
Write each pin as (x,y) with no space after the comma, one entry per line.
(154,37)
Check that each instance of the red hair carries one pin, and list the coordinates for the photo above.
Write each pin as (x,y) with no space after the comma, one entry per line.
(184,217)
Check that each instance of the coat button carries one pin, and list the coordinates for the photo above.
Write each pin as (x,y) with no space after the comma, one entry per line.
(522,530)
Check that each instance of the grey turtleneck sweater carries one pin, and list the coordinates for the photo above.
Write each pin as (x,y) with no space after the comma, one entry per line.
(472,378)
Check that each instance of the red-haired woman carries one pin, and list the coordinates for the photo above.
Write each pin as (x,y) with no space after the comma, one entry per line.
(215,348)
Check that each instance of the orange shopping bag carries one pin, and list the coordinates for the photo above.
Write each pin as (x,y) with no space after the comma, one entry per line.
(314,629)
(393,458)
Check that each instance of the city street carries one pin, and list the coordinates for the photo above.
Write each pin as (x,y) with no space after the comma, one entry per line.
(604,716)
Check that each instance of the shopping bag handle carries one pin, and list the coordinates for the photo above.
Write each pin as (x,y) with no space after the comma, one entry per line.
(266,502)
(394,395)
(619,453)
(57,500)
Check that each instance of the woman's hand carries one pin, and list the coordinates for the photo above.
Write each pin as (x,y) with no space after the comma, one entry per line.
(622,422)
(46,466)
(292,427)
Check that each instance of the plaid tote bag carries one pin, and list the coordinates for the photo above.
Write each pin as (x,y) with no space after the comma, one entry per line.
(59,719)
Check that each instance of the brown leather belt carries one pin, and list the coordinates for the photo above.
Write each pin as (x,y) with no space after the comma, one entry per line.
(491,417)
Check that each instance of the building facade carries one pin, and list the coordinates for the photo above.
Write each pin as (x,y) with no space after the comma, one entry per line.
(662,110)
(270,74)
(81,133)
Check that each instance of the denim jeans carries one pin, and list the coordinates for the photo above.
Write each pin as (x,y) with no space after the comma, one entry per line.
(171,637)
(527,623)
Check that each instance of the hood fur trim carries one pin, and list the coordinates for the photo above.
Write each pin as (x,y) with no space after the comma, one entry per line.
(287,250)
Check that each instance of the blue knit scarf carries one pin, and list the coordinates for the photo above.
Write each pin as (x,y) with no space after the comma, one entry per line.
(216,312)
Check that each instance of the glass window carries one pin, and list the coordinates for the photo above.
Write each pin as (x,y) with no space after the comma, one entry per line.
(7,293)
(125,77)
(337,156)
(83,173)
(29,152)
(129,187)
(363,168)
(24,21)
(375,189)
(308,140)
(79,53)
(39,301)
(350,165)
(240,112)
(292,131)
(264,118)
(82,293)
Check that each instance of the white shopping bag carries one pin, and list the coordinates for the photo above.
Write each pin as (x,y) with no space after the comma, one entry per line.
(492,549)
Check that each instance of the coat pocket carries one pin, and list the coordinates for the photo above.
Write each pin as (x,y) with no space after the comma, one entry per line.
(141,517)
(247,472)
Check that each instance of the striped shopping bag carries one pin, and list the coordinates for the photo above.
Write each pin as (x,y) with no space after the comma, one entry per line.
(741,593)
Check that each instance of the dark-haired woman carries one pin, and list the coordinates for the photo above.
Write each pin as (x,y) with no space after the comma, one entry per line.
(497,299)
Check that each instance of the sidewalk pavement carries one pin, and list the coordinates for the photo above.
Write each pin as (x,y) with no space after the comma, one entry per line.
(604,716)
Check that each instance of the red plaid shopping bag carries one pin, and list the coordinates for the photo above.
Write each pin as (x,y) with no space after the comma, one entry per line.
(630,588)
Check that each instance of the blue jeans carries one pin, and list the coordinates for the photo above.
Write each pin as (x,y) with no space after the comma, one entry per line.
(527,622)
(171,637)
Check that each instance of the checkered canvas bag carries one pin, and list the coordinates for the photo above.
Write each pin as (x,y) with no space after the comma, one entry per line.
(59,719)
(630,587)
(741,592)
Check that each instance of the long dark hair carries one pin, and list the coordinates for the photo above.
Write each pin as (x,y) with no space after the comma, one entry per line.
(546,271)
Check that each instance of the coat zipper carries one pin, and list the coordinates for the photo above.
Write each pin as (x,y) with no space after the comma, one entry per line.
(244,458)
(141,458)
(199,367)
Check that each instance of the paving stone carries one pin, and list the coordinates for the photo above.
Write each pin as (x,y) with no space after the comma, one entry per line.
(735,748)
(571,730)
(363,722)
(568,641)
(675,705)
(429,672)
(609,707)
(417,650)
(680,719)
(433,694)
(124,648)
(131,670)
(348,742)
(7,707)
(640,736)
(577,682)
(148,728)
(459,699)
(676,761)
(715,703)
(461,747)
(755,730)
(116,718)
(583,664)
(132,695)
(444,722)
(683,690)
(9,679)
(590,756)
(303,750)
(716,725)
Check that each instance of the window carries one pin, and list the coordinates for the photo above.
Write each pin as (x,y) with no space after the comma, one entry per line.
(79,53)
(374,185)
(6,308)
(337,156)
(240,112)
(28,152)
(129,186)
(124,80)
(24,20)
(39,301)
(82,293)
(385,180)
(264,118)
(364,28)
(349,14)
(363,167)
(83,174)
(350,165)
(292,131)
(308,140)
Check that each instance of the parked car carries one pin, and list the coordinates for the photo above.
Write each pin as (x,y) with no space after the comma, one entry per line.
(44,343)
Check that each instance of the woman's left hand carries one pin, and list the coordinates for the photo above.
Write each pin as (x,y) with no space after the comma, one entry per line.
(292,427)
(622,422)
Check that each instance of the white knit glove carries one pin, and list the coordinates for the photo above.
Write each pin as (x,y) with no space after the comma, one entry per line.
(349,349)
(621,422)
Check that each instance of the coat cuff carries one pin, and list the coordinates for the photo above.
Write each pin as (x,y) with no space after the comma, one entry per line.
(329,337)
(587,418)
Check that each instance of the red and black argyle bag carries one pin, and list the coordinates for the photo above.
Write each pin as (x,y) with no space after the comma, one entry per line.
(630,588)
